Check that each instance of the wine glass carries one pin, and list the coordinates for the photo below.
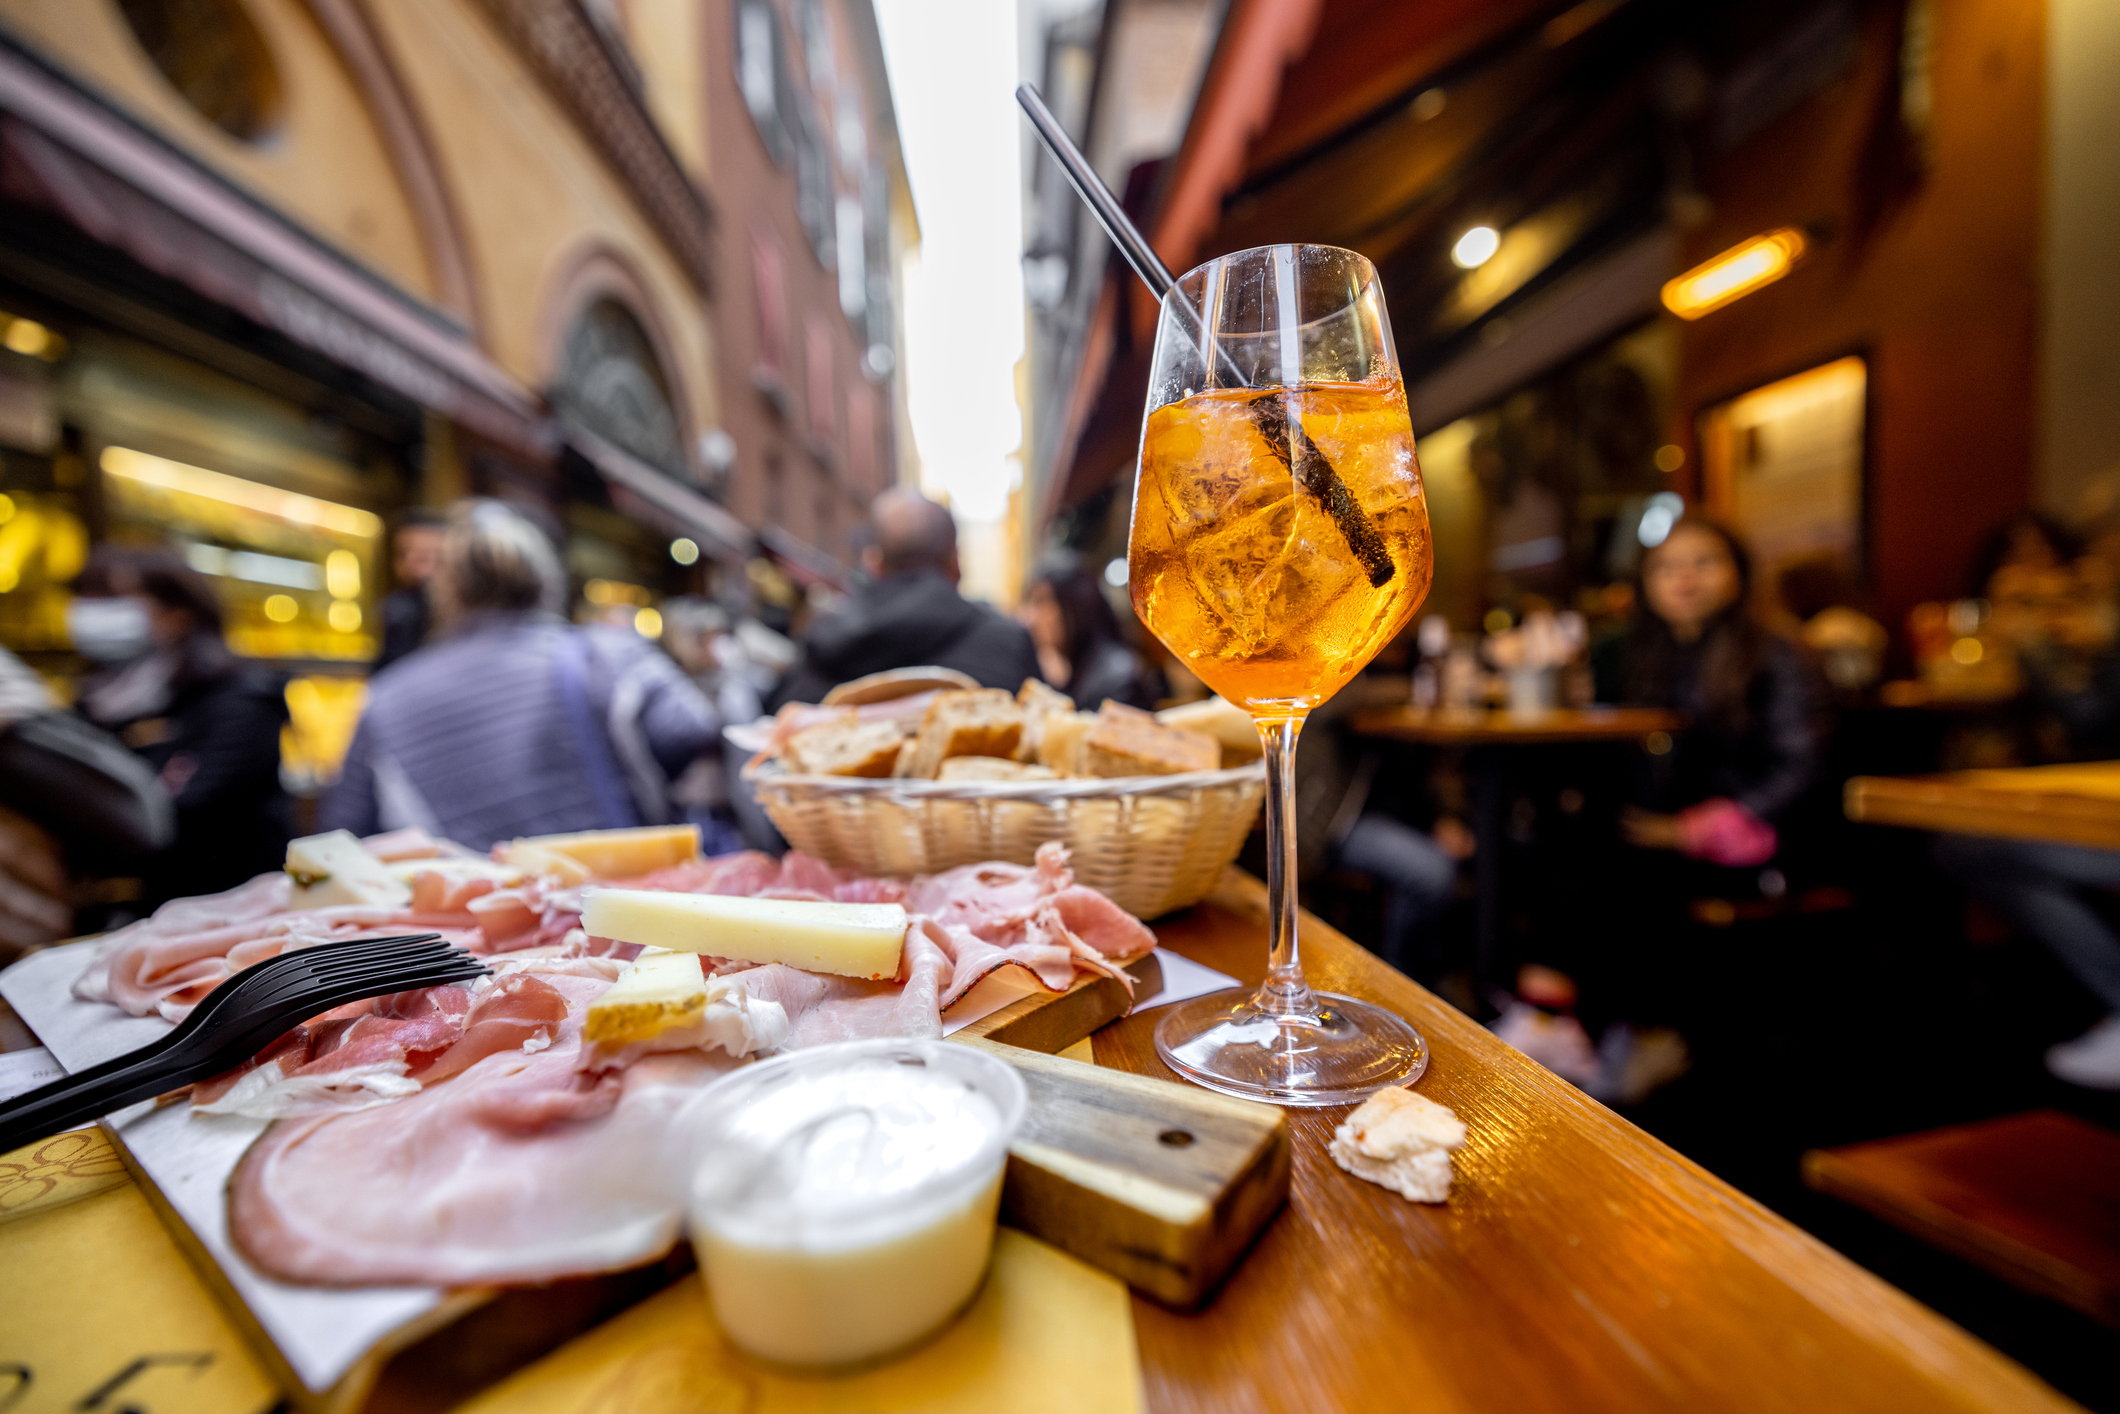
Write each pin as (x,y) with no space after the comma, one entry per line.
(1280,538)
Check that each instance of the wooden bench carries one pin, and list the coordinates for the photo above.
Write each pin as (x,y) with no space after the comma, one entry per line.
(2033,1198)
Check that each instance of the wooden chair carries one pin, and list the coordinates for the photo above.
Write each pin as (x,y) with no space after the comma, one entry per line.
(2033,1198)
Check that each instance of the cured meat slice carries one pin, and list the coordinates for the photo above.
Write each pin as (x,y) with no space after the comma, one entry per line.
(520,1009)
(990,915)
(823,1009)
(451,1187)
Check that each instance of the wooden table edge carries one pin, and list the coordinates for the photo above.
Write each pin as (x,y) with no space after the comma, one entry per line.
(1950,806)
(1838,1287)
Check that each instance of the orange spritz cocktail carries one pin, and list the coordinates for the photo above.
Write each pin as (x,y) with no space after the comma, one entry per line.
(1280,538)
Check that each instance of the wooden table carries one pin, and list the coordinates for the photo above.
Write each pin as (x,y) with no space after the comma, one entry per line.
(1484,732)
(1579,1264)
(1471,727)
(2033,1198)
(2077,805)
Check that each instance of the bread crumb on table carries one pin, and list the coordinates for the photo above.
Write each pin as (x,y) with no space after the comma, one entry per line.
(1401,1141)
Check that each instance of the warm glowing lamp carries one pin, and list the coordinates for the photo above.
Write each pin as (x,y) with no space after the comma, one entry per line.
(1476,247)
(1737,272)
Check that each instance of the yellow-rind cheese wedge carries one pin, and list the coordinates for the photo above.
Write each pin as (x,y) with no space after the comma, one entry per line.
(847,939)
(664,1002)
(335,868)
(661,991)
(624,854)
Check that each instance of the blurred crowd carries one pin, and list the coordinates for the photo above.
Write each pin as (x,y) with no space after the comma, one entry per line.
(491,713)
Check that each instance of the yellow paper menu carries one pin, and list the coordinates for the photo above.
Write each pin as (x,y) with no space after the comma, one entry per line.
(98,1309)
(1038,1306)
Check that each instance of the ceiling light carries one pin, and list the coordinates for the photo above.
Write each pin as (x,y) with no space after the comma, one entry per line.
(1737,272)
(1476,247)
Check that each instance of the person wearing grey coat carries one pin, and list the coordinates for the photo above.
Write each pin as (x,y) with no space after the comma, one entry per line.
(515,722)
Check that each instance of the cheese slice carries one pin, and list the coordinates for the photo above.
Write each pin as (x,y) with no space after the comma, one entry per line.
(625,854)
(335,869)
(848,939)
(543,860)
(664,1002)
(659,991)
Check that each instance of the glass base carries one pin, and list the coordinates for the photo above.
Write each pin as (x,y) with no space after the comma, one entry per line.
(1335,1051)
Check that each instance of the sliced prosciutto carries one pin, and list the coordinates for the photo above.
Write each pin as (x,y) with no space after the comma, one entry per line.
(521,1169)
(981,917)
(460,1136)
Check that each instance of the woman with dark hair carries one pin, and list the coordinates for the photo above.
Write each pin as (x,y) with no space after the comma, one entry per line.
(1702,815)
(1753,705)
(209,725)
(1079,647)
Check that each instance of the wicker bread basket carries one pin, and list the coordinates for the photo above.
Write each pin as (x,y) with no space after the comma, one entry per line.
(1152,843)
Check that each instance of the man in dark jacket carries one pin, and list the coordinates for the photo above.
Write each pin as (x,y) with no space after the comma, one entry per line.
(912,616)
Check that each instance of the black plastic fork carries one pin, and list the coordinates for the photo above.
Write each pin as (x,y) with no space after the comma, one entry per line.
(234,1022)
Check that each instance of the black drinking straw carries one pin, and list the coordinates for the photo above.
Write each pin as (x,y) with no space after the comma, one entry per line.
(1280,431)
(1153,272)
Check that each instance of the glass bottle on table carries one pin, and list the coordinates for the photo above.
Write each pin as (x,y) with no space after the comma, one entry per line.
(1280,539)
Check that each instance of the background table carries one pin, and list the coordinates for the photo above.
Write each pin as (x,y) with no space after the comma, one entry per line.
(1485,733)
(2077,804)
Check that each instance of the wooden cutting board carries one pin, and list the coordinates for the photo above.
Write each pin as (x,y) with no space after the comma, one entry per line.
(1163,1185)
(452,1344)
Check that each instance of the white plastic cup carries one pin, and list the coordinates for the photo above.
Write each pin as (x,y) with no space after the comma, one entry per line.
(844,1197)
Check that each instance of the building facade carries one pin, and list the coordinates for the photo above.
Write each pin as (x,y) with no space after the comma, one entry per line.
(273,271)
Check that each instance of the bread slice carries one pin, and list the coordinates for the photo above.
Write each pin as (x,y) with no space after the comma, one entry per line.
(1038,702)
(992,768)
(1060,740)
(1127,741)
(898,682)
(1224,721)
(846,749)
(983,723)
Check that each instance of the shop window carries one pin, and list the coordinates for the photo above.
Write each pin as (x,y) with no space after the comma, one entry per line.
(769,293)
(762,74)
(214,57)
(814,200)
(823,389)
(1782,466)
(861,439)
(611,383)
(296,574)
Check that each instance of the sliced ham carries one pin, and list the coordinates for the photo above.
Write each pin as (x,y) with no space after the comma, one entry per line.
(519,1170)
(519,1161)
(990,915)
(822,1009)
(516,1013)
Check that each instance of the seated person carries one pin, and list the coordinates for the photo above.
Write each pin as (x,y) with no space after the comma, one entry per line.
(912,615)
(1705,808)
(2063,634)
(1340,825)
(1753,705)
(1079,647)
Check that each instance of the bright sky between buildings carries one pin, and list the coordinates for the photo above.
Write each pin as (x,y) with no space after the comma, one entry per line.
(953,77)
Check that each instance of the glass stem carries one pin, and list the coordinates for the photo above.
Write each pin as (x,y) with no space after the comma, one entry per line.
(1284,989)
